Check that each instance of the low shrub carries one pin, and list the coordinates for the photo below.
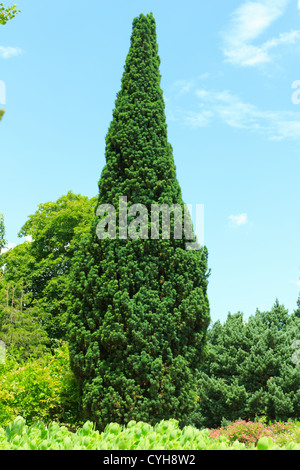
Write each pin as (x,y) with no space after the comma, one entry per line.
(285,433)
(166,435)
(38,389)
(249,433)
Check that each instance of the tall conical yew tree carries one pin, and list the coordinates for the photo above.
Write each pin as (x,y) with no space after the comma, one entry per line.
(138,321)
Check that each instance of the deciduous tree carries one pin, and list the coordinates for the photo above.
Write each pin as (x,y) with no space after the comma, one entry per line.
(42,266)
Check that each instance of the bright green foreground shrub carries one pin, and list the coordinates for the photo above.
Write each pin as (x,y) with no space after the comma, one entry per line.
(165,435)
(38,389)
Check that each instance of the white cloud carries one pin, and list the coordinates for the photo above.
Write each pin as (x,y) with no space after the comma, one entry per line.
(297,283)
(288,129)
(248,22)
(7,52)
(8,247)
(241,219)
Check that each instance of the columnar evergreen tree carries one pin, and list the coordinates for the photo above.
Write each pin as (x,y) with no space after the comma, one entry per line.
(139,315)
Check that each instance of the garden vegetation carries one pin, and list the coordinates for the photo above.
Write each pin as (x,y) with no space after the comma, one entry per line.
(108,342)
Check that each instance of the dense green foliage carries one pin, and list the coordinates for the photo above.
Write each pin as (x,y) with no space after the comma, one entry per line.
(21,330)
(250,370)
(139,313)
(44,388)
(38,388)
(39,385)
(165,435)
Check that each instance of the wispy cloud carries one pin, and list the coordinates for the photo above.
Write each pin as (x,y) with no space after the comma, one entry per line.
(284,38)
(200,119)
(7,52)
(241,219)
(181,87)
(248,22)
(234,112)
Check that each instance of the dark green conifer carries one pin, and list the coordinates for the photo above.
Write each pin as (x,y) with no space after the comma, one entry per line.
(138,321)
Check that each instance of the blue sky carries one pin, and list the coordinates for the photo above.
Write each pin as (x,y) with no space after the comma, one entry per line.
(227,74)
